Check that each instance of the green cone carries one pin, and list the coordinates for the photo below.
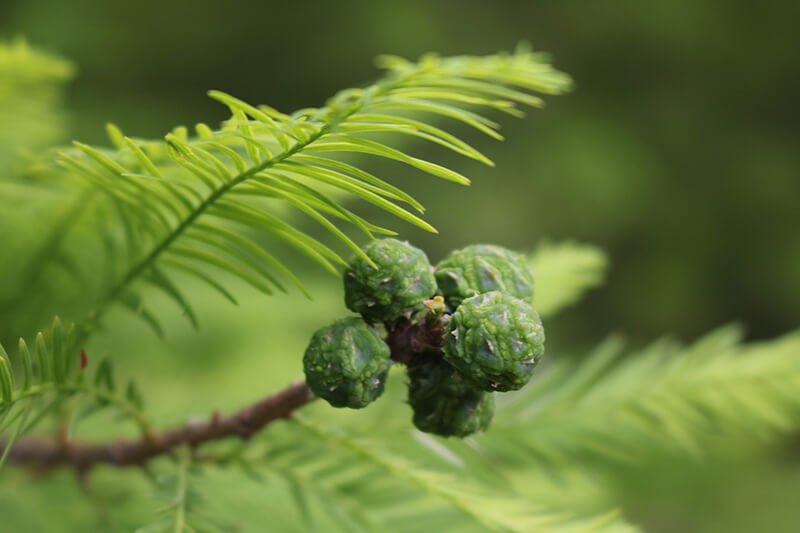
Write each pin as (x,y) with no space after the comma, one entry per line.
(482,268)
(495,341)
(346,363)
(400,284)
(444,403)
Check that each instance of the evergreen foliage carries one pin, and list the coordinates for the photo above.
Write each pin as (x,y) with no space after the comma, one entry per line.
(194,204)
(30,82)
(210,206)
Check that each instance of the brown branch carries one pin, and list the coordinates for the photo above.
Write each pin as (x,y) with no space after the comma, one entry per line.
(49,453)
(408,339)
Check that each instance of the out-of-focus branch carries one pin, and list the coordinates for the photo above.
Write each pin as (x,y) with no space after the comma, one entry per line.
(48,453)
(408,339)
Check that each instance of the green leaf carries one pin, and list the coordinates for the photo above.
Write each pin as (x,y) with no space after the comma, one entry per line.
(27,364)
(563,272)
(6,378)
(235,103)
(147,164)
(211,259)
(115,135)
(265,222)
(134,303)
(18,431)
(614,406)
(182,154)
(275,186)
(421,129)
(156,192)
(59,352)
(481,87)
(45,358)
(389,189)
(476,506)
(320,202)
(236,253)
(247,244)
(161,281)
(468,98)
(201,275)
(133,396)
(104,376)
(336,180)
(104,161)
(349,143)
(235,158)
(476,121)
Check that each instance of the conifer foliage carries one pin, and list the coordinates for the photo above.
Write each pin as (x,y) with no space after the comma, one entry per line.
(117,227)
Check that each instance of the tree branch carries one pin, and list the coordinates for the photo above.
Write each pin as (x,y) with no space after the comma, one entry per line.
(49,453)
(409,339)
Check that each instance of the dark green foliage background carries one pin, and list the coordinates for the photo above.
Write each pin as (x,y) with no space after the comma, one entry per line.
(677,152)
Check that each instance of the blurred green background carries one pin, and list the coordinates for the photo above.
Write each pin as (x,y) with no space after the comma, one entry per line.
(677,153)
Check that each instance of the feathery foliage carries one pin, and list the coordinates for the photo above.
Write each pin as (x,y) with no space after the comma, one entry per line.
(212,206)
(563,271)
(679,399)
(29,95)
(355,484)
(342,474)
(202,205)
(180,512)
(51,372)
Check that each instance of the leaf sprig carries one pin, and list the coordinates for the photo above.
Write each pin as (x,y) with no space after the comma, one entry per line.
(52,372)
(201,205)
(679,399)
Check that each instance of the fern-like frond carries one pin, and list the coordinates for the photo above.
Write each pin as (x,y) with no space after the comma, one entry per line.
(563,272)
(30,83)
(203,204)
(181,500)
(48,374)
(383,491)
(668,397)
(580,414)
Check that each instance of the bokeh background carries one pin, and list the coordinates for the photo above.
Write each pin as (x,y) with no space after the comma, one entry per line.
(677,153)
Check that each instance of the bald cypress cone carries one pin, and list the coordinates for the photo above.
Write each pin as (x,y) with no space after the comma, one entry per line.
(346,363)
(482,268)
(399,283)
(444,403)
(495,341)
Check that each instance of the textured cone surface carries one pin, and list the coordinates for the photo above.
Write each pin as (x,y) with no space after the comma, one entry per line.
(346,363)
(402,281)
(444,403)
(483,268)
(495,341)
(430,375)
